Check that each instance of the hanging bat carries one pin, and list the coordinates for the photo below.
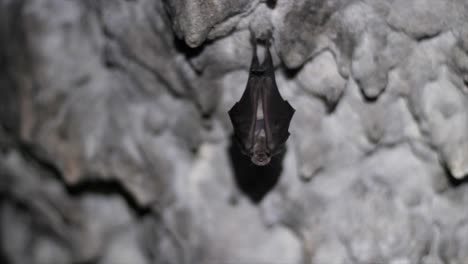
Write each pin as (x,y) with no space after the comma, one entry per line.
(261,118)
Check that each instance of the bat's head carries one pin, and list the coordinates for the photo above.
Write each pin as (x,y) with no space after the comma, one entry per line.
(260,155)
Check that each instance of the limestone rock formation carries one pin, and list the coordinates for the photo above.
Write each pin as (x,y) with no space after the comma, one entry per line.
(115,140)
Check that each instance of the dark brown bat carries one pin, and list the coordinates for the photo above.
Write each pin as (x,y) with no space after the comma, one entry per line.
(261,118)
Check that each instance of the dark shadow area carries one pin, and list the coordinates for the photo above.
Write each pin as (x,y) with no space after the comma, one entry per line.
(454,182)
(3,259)
(3,255)
(255,181)
(331,106)
(36,156)
(108,187)
(271,3)
(290,74)
(368,99)
(188,51)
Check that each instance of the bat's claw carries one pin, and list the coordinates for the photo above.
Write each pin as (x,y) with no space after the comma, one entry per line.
(263,38)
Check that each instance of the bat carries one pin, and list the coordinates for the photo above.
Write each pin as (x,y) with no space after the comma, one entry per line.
(261,118)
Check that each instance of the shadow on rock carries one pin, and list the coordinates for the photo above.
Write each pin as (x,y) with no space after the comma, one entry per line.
(454,182)
(185,49)
(255,181)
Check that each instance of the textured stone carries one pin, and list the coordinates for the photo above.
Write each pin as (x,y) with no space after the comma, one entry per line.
(426,18)
(447,123)
(115,138)
(125,249)
(296,18)
(194,20)
(321,78)
(225,55)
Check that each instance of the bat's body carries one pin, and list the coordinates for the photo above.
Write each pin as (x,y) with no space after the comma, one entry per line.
(261,118)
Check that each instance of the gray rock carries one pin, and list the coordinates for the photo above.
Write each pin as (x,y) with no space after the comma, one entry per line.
(224,55)
(194,20)
(321,78)
(311,142)
(115,138)
(297,18)
(423,19)
(125,249)
(447,124)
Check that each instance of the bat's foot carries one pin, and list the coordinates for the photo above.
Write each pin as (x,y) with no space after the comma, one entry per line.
(264,37)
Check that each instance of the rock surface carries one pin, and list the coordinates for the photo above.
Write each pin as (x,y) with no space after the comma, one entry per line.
(114,134)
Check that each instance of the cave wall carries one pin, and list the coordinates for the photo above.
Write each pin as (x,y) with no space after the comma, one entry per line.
(114,134)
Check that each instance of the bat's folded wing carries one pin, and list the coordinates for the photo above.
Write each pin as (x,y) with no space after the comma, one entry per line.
(243,116)
(278,114)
